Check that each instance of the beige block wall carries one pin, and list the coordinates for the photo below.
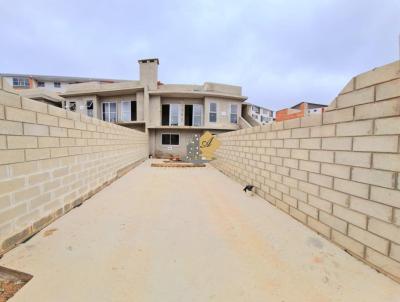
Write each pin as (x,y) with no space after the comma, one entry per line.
(51,160)
(338,173)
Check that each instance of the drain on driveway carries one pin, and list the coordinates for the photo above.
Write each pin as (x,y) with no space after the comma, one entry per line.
(11,281)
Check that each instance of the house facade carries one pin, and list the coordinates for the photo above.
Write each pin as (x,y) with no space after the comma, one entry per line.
(259,114)
(171,114)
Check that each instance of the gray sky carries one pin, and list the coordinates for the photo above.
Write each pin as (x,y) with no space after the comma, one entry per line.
(280,52)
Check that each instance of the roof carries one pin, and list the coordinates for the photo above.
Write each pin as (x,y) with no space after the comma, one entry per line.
(312,104)
(59,78)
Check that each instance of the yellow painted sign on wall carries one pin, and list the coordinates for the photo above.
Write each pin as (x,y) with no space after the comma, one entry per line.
(208,144)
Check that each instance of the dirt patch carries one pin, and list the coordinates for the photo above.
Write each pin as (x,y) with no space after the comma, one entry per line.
(49,232)
(11,281)
(177,165)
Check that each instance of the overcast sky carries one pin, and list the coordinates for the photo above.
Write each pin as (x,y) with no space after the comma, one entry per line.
(280,52)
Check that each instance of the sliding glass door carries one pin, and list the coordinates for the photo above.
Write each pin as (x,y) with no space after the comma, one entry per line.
(109,112)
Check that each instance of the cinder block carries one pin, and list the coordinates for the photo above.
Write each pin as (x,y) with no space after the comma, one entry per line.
(45,142)
(66,123)
(11,185)
(45,119)
(320,203)
(2,115)
(388,90)
(384,229)
(299,195)
(356,97)
(319,227)
(24,168)
(321,180)
(10,99)
(291,143)
(310,166)
(5,202)
(26,194)
(20,115)
(35,154)
(33,105)
(371,208)
(301,133)
(349,87)
(38,178)
(378,75)
(378,109)
(58,132)
(300,216)
(333,222)
(292,123)
(389,125)
(337,143)
(21,142)
(369,239)
(60,112)
(323,131)
(348,243)
(289,200)
(375,143)
(309,188)
(300,154)
(12,213)
(389,265)
(11,156)
(322,156)
(36,130)
(291,163)
(58,152)
(351,187)
(358,159)
(395,252)
(282,205)
(355,128)
(350,216)
(307,209)
(375,177)
(310,143)
(311,120)
(338,116)
(339,171)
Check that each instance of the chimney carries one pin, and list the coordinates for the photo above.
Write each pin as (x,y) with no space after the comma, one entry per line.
(149,72)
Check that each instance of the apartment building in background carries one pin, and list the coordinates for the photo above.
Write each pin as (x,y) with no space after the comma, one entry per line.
(257,115)
(171,114)
(299,110)
(52,83)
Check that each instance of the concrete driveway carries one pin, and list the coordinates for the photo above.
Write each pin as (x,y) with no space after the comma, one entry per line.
(187,234)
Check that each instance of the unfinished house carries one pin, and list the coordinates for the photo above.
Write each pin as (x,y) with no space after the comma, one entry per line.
(171,114)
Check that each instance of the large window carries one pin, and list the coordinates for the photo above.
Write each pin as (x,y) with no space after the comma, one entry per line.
(21,82)
(57,84)
(234,114)
(109,112)
(213,113)
(197,114)
(72,106)
(40,84)
(128,111)
(170,139)
(170,114)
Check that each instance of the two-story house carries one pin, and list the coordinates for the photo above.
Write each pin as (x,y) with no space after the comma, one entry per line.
(170,113)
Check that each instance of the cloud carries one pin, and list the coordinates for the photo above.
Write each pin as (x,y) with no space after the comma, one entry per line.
(281,52)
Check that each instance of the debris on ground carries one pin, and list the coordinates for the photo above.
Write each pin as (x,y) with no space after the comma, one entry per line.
(11,281)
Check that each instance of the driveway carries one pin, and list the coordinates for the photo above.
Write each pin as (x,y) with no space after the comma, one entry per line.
(186,235)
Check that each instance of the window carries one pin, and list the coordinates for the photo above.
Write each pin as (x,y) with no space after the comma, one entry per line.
(57,84)
(213,113)
(89,108)
(233,115)
(256,109)
(128,111)
(40,84)
(173,114)
(197,114)
(109,112)
(72,106)
(170,139)
(21,82)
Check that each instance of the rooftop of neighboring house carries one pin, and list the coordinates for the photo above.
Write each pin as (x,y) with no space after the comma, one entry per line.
(261,107)
(58,78)
(309,105)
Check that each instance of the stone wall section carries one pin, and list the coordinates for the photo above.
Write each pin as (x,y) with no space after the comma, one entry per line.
(337,173)
(51,160)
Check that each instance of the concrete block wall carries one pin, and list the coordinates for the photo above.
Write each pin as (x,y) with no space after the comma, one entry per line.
(338,173)
(51,160)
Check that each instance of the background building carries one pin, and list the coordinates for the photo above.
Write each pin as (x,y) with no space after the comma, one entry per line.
(299,110)
(170,113)
(257,115)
